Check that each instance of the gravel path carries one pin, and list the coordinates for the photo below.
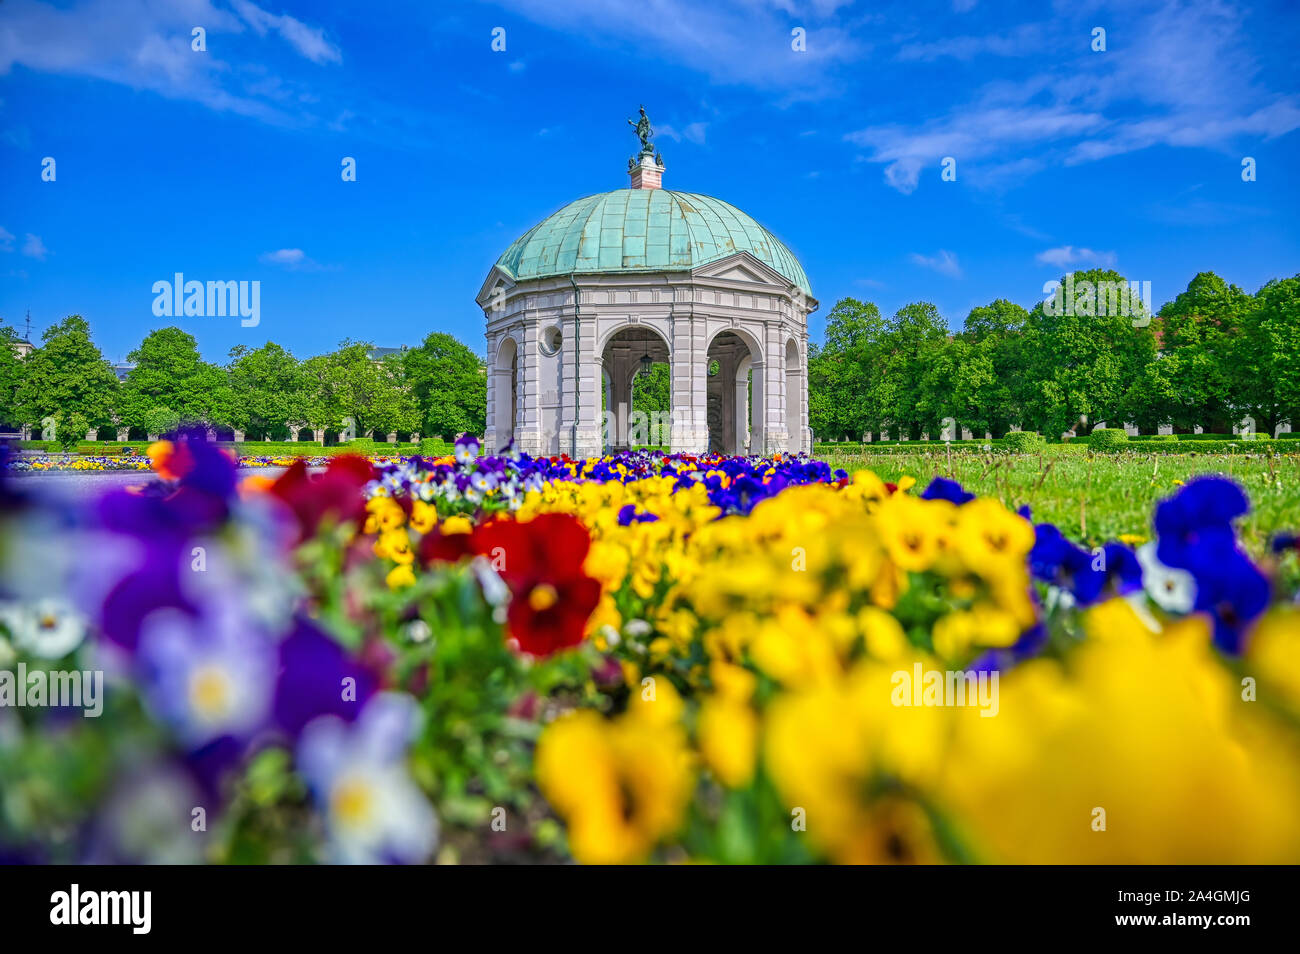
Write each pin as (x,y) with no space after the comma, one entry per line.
(82,484)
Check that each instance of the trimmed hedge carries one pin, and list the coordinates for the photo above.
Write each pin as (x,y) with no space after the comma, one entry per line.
(1253,436)
(1215,447)
(314,449)
(1106,440)
(277,448)
(880,447)
(1024,442)
(88,448)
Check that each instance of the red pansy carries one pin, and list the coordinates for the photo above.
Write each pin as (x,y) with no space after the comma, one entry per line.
(551,596)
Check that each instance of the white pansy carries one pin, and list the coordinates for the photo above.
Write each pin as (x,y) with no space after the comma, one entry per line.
(1172,589)
(46,629)
(373,810)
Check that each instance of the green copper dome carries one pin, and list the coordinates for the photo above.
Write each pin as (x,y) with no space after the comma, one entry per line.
(644,230)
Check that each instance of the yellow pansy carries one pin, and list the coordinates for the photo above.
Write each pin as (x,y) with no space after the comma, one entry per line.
(400,576)
(908,531)
(456,524)
(982,625)
(395,545)
(621,784)
(728,737)
(424,516)
(383,514)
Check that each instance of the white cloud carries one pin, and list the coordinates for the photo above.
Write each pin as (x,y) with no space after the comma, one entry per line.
(1178,75)
(966,135)
(294,259)
(692,132)
(33,247)
(741,42)
(945,262)
(6,240)
(1025,40)
(307,40)
(1066,255)
(146,45)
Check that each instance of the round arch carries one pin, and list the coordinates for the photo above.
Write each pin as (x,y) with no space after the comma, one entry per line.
(505,380)
(744,334)
(794,396)
(736,396)
(617,330)
(623,353)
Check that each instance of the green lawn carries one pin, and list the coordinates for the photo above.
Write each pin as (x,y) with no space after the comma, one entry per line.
(1095,498)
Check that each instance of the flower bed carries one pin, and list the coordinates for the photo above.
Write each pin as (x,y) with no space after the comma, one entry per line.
(645,657)
(126,462)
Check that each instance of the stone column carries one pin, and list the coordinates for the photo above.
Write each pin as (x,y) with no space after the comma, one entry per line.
(581,424)
(776,438)
(742,404)
(528,432)
(805,422)
(690,368)
(619,406)
(123,433)
(490,443)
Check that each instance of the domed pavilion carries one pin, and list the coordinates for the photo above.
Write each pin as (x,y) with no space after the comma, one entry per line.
(613,284)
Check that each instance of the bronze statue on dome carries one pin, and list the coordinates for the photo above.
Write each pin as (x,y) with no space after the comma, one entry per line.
(643,130)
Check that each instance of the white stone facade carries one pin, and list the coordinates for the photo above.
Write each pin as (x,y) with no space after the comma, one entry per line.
(554,344)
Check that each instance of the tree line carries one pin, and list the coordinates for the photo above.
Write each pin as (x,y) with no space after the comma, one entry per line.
(435,389)
(1210,357)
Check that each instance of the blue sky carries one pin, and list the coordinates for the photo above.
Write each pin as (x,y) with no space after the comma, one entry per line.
(225,164)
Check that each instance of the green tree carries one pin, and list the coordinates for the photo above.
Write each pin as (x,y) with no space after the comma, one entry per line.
(71,430)
(1199,332)
(846,394)
(958,377)
(160,420)
(987,386)
(169,373)
(67,374)
(914,338)
(347,383)
(1151,398)
(1268,354)
(1082,366)
(12,371)
(268,389)
(825,415)
(998,319)
(652,390)
(449,384)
